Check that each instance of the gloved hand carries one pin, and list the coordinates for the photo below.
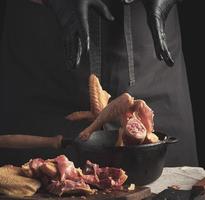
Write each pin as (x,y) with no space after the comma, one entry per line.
(73,18)
(157,12)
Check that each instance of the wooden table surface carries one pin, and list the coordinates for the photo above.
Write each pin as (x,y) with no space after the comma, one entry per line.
(138,194)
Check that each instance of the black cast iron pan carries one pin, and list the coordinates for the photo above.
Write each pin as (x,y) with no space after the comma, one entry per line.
(142,163)
(106,140)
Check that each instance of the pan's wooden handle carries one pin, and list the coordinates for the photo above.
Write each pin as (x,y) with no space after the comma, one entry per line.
(30,141)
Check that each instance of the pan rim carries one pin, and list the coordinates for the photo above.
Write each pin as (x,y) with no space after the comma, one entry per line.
(164,140)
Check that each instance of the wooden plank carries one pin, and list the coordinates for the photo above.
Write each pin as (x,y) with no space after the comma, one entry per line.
(137,194)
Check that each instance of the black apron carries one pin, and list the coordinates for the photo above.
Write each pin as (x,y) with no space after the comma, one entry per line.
(38,90)
(164,89)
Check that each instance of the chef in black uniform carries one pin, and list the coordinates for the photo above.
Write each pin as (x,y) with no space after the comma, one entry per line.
(48,52)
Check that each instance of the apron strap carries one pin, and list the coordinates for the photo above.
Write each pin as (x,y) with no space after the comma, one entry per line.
(95,44)
(129,43)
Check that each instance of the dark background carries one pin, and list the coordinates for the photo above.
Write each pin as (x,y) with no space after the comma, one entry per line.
(191,16)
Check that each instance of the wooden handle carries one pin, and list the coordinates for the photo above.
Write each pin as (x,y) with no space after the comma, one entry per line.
(29,141)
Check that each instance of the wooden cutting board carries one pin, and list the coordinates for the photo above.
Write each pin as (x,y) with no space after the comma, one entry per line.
(138,194)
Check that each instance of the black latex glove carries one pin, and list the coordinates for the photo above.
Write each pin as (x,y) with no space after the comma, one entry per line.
(157,12)
(73,18)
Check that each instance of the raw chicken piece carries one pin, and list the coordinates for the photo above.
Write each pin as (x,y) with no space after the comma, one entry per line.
(137,125)
(98,97)
(59,176)
(69,187)
(145,114)
(113,111)
(32,168)
(50,169)
(133,130)
(67,169)
(98,101)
